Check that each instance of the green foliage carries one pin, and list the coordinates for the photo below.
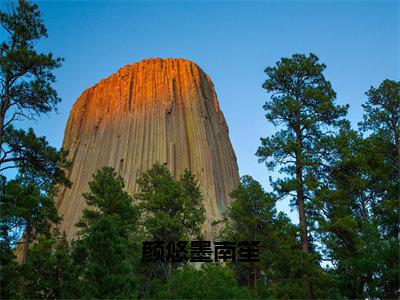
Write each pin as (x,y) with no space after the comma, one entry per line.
(359,205)
(24,208)
(382,110)
(27,75)
(282,267)
(210,281)
(27,92)
(251,210)
(103,255)
(103,261)
(9,269)
(36,160)
(302,104)
(250,217)
(48,269)
(172,209)
(303,110)
(382,154)
(107,198)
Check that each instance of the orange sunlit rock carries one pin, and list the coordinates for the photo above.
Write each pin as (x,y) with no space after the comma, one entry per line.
(163,110)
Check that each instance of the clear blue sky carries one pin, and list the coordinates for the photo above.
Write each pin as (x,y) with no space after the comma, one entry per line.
(232,42)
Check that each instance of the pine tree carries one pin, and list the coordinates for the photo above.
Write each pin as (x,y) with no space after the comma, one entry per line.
(252,216)
(302,107)
(26,93)
(104,254)
(9,269)
(382,119)
(344,220)
(210,281)
(104,262)
(48,270)
(249,217)
(172,211)
(107,198)
(359,205)
(25,209)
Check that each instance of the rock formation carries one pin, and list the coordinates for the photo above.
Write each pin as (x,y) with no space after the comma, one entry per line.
(163,110)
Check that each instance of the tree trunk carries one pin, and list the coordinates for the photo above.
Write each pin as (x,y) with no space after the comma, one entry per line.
(397,145)
(303,223)
(5,104)
(300,199)
(301,209)
(2,116)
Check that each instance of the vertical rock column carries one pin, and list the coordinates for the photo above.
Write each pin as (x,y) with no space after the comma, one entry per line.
(163,110)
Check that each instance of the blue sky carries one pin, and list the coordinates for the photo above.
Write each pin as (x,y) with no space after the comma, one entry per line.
(232,42)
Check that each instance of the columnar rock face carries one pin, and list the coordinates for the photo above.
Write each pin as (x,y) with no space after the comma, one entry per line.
(157,110)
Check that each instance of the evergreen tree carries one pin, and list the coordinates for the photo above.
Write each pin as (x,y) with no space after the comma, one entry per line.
(172,211)
(210,281)
(48,269)
(104,254)
(344,221)
(107,198)
(252,216)
(382,119)
(104,262)
(360,203)
(25,209)
(9,269)
(302,106)
(26,92)
(249,217)
(26,79)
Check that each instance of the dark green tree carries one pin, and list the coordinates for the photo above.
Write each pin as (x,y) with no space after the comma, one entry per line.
(210,281)
(172,210)
(48,270)
(382,113)
(249,217)
(302,107)
(345,221)
(104,263)
(9,269)
(360,203)
(107,198)
(252,216)
(26,92)
(382,176)
(382,120)
(25,209)
(26,85)
(104,255)
(36,160)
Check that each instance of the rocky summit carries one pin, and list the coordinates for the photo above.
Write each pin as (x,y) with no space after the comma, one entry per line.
(157,110)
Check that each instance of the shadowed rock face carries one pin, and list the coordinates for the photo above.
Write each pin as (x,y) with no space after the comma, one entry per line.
(163,110)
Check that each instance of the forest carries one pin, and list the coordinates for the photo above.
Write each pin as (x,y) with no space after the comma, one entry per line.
(344,182)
